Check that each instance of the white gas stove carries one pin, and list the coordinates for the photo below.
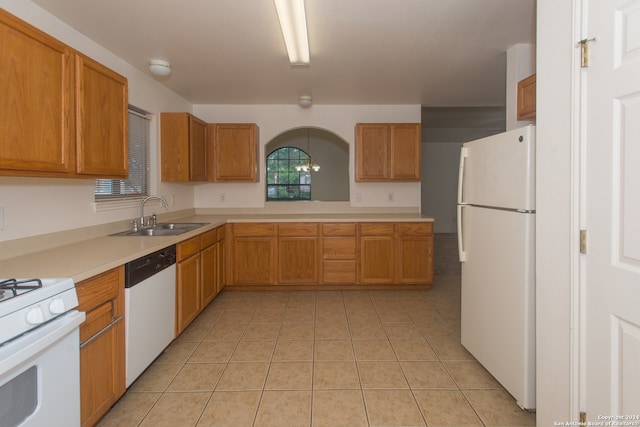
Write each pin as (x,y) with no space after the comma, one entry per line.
(28,303)
(39,353)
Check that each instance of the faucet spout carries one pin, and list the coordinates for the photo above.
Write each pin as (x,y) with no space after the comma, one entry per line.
(162,199)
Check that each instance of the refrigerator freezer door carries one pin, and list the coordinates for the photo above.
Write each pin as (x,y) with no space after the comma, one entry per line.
(499,170)
(498,297)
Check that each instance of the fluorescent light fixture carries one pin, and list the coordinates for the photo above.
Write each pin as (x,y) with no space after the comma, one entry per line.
(294,29)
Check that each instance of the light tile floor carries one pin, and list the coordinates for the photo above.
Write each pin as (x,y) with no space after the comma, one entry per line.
(316,358)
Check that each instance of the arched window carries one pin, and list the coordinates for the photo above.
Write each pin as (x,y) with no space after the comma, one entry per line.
(284,182)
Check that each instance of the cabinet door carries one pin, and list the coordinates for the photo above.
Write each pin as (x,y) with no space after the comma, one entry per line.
(102,338)
(372,152)
(101,120)
(174,145)
(187,291)
(198,165)
(377,253)
(36,112)
(298,260)
(221,278)
(415,259)
(377,259)
(209,259)
(99,376)
(235,152)
(253,260)
(405,152)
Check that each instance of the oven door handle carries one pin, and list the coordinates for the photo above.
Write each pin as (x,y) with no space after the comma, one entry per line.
(29,344)
(102,331)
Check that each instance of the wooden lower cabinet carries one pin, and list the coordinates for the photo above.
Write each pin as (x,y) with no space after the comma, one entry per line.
(199,274)
(298,253)
(188,283)
(253,254)
(377,253)
(400,253)
(415,253)
(102,344)
(209,267)
(221,250)
(339,253)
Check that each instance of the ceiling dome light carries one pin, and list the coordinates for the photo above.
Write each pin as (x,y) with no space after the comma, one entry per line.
(159,67)
(304,101)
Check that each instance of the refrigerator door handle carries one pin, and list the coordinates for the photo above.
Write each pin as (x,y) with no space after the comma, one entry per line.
(462,254)
(463,155)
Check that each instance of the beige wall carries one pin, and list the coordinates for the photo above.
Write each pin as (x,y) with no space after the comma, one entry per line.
(339,119)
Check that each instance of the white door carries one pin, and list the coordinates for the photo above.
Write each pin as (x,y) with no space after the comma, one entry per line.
(611,281)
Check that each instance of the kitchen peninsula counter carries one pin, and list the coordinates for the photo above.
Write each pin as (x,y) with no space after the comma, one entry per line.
(83,259)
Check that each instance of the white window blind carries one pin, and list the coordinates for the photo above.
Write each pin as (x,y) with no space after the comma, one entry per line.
(137,184)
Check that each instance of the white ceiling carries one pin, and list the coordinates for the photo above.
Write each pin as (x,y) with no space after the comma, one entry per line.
(428,52)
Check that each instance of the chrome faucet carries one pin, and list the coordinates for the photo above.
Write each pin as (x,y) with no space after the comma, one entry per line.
(162,199)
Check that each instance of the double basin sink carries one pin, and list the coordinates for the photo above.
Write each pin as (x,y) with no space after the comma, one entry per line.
(164,229)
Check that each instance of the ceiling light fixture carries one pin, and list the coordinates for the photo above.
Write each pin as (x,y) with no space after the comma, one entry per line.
(304,101)
(159,68)
(293,23)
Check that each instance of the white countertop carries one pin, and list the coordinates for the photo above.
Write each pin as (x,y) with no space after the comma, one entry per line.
(87,258)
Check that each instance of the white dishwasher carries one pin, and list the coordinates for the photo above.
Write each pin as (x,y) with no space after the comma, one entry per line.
(150,306)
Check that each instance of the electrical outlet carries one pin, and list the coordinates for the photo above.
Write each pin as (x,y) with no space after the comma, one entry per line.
(390,197)
(223,197)
(358,197)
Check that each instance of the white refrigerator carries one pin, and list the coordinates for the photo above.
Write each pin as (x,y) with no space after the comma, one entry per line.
(496,244)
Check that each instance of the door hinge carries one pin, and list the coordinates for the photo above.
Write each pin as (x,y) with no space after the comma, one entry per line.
(583,418)
(584,51)
(583,241)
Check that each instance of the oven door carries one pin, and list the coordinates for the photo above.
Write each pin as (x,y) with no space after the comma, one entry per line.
(40,375)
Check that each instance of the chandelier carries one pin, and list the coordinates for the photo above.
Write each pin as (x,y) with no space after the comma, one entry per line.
(308,164)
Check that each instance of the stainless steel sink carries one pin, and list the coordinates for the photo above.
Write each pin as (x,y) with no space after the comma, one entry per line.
(164,229)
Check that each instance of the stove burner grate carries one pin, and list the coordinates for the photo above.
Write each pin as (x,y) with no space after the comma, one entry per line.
(14,285)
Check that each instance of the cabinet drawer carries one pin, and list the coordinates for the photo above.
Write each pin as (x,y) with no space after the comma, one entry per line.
(298,229)
(209,238)
(339,272)
(96,320)
(339,229)
(413,228)
(339,248)
(97,290)
(253,230)
(187,248)
(376,229)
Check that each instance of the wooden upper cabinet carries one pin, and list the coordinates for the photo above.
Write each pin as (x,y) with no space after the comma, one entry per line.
(404,152)
(62,113)
(372,152)
(36,112)
(184,146)
(235,152)
(101,120)
(387,152)
(527,98)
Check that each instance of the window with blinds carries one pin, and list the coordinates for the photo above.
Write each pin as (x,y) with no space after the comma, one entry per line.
(137,184)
